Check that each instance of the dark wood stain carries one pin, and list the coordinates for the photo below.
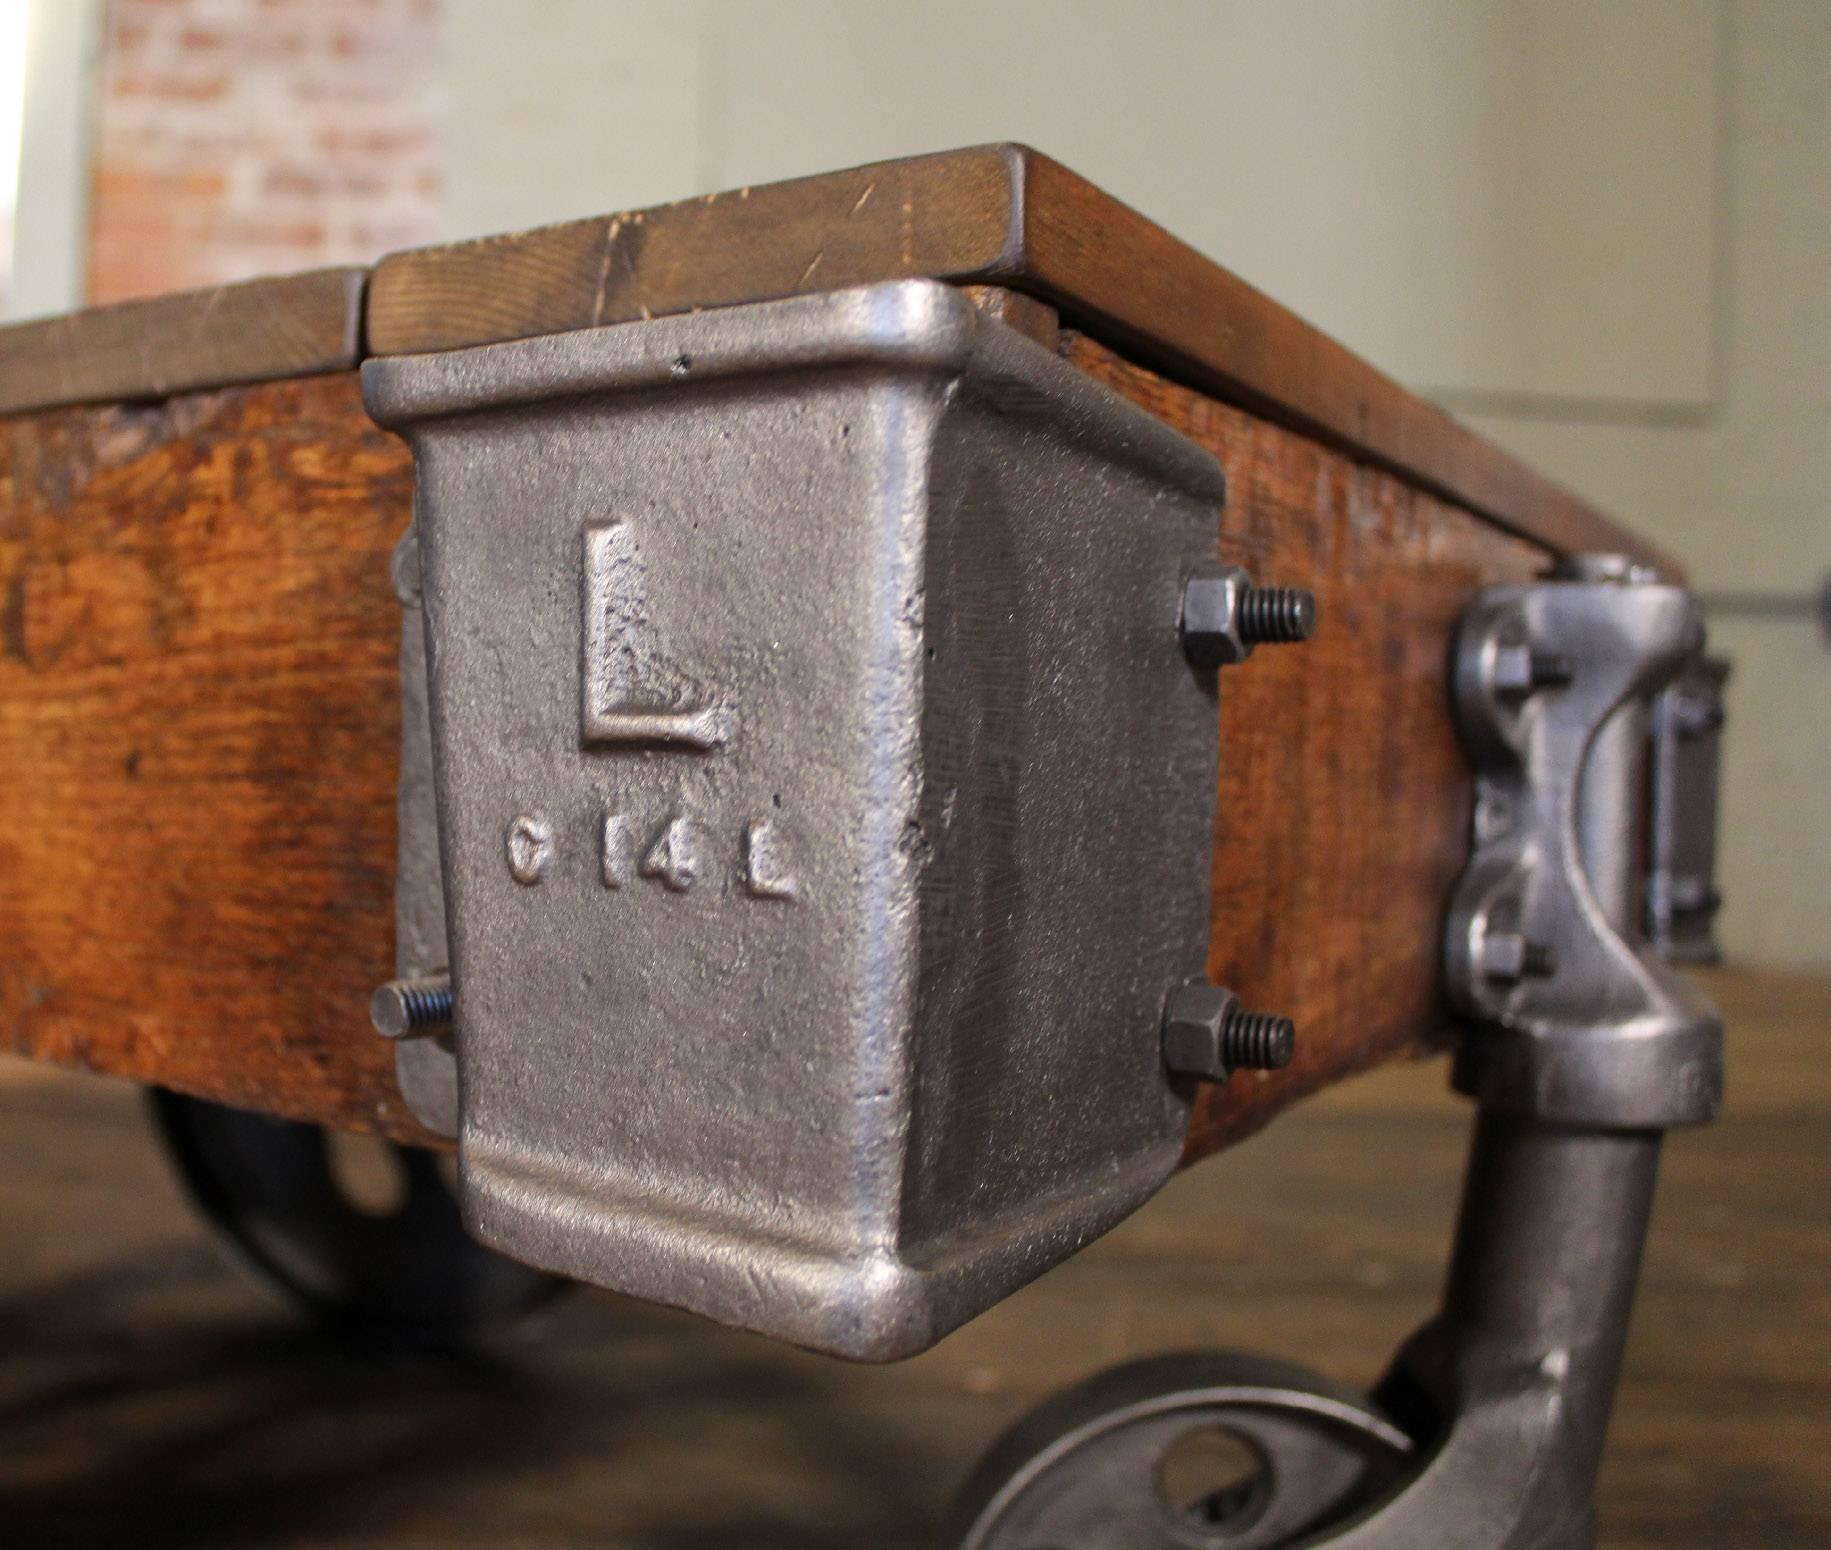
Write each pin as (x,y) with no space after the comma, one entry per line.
(198,719)
(251,332)
(999,214)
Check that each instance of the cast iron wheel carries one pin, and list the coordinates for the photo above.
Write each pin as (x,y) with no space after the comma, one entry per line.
(1200,1452)
(404,1274)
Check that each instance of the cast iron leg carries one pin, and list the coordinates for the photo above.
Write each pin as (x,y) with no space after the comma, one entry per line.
(1582,1050)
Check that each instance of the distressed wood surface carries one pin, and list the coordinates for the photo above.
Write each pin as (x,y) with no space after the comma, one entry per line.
(253,332)
(199,712)
(1342,817)
(998,213)
(199,716)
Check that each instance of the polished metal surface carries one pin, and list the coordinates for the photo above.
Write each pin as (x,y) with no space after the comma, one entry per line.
(1686,726)
(823,796)
(1584,1049)
(1086,1470)
(1584,1024)
(1578,1070)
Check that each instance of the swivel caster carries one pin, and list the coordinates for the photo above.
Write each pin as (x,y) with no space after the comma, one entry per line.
(409,1275)
(1199,1452)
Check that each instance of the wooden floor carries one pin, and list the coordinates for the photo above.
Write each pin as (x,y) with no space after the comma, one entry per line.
(150,1397)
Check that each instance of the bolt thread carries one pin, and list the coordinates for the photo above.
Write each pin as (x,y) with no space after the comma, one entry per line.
(402,1008)
(1274,616)
(427,1006)
(1258,1041)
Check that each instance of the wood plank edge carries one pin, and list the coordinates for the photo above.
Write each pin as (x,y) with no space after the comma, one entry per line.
(156,347)
(1316,386)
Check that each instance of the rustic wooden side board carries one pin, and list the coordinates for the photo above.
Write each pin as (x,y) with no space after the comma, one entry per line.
(199,686)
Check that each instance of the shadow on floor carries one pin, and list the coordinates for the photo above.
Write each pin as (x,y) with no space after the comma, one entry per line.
(144,1403)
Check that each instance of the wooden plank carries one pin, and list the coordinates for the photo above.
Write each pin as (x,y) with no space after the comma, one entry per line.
(947,216)
(199,705)
(1143,290)
(253,332)
(1000,213)
(199,711)
(1342,817)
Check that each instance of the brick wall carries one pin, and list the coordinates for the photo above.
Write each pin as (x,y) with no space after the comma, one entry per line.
(244,137)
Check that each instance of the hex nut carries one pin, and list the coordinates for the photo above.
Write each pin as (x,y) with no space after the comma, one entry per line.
(1211,616)
(1194,1019)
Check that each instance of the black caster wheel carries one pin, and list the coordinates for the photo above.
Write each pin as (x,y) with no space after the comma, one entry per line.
(401,1271)
(1199,1452)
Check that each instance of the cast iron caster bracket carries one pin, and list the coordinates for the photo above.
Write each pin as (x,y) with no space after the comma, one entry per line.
(1582,1049)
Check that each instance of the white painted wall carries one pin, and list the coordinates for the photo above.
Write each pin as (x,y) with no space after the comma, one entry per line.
(51,220)
(1599,229)
(1742,493)
(1480,196)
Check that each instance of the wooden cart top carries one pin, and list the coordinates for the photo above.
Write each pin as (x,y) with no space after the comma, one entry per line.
(998,214)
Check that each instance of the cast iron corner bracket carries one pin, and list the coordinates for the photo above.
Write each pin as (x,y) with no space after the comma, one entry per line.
(796,803)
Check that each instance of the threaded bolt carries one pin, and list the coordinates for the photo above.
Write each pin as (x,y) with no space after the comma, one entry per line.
(1224,615)
(1276,616)
(412,1008)
(1257,1041)
(1540,960)
(1208,1034)
(1507,957)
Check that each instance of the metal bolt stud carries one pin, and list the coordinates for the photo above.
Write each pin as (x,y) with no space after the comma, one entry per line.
(1520,670)
(1225,615)
(1277,616)
(408,1009)
(1507,957)
(1208,1034)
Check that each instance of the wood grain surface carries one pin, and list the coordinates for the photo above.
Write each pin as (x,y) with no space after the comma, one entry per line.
(252,332)
(1343,811)
(999,213)
(199,715)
